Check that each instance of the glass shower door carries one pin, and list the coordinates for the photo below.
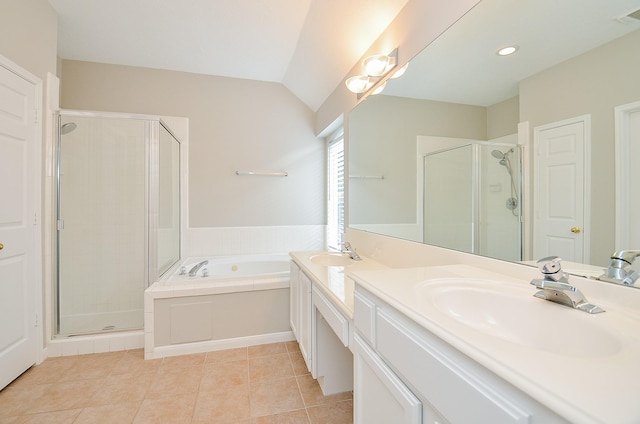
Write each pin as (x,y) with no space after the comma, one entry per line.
(102,224)
(449,209)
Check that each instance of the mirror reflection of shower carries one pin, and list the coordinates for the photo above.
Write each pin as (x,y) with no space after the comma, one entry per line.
(505,160)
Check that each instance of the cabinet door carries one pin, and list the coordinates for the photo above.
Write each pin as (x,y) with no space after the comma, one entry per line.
(304,323)
(379,397)
(294,316)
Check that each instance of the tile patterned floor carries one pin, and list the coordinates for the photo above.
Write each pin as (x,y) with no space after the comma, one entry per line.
(267,384)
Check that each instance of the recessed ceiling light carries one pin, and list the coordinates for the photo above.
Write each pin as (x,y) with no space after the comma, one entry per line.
(506,51)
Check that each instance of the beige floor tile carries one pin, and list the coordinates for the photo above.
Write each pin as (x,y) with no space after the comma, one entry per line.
(93,366)
(123,388)
(50,371)
(267,384)
(183,361)
(57,417)
(227,355)
(332,413)
(173,381)
(267,349)
(223,406)
(116,413)
(133,362)
(293,417)
(67,395)
(298,364)
(292,346)
(176,409)
(218,376)
(18,400)
(274,397)
(264,368)
(312,393)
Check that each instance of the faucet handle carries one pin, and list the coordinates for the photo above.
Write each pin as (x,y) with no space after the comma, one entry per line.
(626,255)
(551,268)
(549,265)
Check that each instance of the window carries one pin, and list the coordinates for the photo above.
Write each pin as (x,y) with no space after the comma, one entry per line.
(335,195)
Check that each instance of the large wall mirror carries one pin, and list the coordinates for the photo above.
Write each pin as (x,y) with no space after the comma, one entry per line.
(514,157)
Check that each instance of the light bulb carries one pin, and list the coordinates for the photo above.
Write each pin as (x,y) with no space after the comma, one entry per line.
(358,84)
(377,65)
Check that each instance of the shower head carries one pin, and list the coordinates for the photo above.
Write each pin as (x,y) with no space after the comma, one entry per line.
(498,154)
(68,127)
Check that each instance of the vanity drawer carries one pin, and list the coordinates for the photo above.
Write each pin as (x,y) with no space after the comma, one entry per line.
(338,322)
(456,393)
(364,317)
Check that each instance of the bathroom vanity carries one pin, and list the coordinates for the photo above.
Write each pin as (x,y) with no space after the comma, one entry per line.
(460,344)
(321,314)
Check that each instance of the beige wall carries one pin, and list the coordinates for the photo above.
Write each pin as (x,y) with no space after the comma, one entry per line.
(29,35)
(382,136)
(593,83)
(234,124)
(503,118)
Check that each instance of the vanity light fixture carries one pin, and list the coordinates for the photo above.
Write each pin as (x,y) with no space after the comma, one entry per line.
(359,84)
(508,50)
(376,68)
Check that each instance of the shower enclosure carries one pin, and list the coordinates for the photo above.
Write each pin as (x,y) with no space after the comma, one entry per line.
(118,217)
(472,200)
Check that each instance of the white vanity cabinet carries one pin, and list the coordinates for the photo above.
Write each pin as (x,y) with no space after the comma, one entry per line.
(300,311)
(304,319)
(379,395)
(410,361)
(294,284)
(322,331)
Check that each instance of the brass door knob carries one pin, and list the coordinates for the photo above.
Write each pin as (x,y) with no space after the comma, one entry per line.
(1,246)
(576,230)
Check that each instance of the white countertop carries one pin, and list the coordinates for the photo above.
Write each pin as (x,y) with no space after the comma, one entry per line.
(598,386)
(332,279)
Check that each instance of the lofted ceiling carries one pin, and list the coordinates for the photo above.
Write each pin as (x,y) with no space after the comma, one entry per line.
(307,45)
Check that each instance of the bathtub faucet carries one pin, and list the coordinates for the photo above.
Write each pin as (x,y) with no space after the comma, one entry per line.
(193,271)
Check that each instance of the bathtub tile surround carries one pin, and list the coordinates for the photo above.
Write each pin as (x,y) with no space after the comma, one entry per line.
(228,386)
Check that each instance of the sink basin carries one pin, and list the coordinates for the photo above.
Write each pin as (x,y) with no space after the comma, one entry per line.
(331,259)
(511,313)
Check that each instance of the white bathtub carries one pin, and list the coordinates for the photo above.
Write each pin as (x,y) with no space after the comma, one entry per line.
(227,274)
(244,300)
(231,268)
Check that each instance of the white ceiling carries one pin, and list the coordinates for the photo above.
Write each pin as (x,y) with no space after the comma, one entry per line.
(307,45)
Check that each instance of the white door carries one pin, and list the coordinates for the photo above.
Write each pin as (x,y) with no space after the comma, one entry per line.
(18,264)
(560,178)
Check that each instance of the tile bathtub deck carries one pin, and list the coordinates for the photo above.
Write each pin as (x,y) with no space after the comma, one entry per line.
(267,384)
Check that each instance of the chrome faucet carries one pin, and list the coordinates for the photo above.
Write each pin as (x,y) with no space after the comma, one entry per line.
(193,271)
(346,248)
(556,288)
(619,270)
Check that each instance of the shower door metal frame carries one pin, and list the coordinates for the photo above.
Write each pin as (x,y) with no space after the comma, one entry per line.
(151,141)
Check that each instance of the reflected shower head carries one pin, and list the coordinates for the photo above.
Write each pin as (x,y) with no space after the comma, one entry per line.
(67,128)
(498,154)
